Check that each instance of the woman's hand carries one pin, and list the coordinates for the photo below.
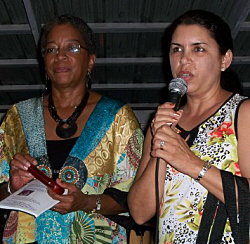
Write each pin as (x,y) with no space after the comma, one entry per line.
(174,151)
(75,200)
(165,115)
(19,176)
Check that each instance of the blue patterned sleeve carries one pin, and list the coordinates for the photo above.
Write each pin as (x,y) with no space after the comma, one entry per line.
(4,166)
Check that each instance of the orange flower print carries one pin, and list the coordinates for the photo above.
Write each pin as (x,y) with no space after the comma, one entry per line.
(174,171)
(224,129)
(236,167)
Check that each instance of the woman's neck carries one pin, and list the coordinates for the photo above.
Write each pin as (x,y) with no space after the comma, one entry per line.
(198,110)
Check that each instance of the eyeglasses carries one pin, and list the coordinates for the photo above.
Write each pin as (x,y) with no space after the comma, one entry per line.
(68,49)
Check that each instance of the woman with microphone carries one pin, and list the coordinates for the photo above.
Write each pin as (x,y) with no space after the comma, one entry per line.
(203,148)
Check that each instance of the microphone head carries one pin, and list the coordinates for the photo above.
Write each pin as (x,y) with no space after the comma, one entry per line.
(178,85)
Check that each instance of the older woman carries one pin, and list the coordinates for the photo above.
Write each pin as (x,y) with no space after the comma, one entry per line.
(205,151)
(91,145)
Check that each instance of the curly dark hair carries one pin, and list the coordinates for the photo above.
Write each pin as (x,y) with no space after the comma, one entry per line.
(219,31)
(78,23)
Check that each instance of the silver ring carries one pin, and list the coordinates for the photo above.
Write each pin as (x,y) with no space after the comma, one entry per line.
(162,143)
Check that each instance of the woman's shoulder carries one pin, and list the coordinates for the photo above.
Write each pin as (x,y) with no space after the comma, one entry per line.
(233,102)
(112,100)
(122,110)
(110,103)
(30,101)
(237,98)
(97,98)
(244,104)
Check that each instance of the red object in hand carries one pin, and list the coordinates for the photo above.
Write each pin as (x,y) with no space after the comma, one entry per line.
(38,174)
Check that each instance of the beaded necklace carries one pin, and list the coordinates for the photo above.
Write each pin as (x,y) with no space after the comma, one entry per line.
(70,130)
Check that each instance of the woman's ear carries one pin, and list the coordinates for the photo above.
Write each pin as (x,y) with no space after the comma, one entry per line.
(226,60)
(92,58)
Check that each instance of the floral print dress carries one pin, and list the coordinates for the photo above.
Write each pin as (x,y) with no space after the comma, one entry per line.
(213,140)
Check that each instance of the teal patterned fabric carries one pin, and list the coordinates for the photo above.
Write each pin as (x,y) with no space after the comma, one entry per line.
(52,227)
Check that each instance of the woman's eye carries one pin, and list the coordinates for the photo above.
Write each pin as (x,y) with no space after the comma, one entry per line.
(199,49)
(176,49)
(74,48)
(51,50)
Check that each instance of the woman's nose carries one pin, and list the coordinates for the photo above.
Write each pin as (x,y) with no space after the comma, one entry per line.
(185,57)
(61,53)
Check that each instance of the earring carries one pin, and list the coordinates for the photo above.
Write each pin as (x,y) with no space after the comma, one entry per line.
(223,68)
(46,82)
(89,80)
(47,85)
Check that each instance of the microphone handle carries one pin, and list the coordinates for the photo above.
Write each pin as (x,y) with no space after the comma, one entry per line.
(175,97)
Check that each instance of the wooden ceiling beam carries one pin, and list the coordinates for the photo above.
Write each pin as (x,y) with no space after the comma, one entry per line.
(21,29)
(127,86)
(32,20)
(97,28)
(238,16)
(4,63)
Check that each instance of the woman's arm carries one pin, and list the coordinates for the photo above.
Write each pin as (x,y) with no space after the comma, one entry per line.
(76,200)
(142,196)
(244,139)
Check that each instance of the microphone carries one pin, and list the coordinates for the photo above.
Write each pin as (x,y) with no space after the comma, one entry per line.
(177,88)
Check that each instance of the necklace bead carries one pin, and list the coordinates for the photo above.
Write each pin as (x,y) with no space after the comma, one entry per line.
(71,128)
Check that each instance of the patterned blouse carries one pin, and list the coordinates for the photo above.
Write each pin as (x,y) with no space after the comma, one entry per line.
(106,155)
(183,199)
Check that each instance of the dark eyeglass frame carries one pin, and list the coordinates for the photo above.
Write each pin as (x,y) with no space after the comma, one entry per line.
(45,52)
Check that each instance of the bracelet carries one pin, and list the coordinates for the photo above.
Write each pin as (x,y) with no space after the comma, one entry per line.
(206,167)
(98,205)
(8,188)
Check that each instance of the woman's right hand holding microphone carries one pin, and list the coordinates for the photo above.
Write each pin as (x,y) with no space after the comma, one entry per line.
(165,115)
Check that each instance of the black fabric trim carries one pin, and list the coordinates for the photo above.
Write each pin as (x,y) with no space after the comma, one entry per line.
(219,224)
(207,218)
(230,201)
(127,221)
(236,117)
(58,151)
(119,196)
(244,203)
(193,132)
(239,226)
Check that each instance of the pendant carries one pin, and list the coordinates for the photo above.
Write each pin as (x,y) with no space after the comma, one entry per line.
(66,132)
